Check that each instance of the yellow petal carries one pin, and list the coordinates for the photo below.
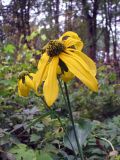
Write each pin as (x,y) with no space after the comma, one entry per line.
(79,59)
(59,70)
(23,90)
(29,80)
(79,71)
(41,69)
(79,45)
(69,34)
(91,64)
(72,36)
(70,42)
(43,60)
(45,72)
(67,76)
(50,88)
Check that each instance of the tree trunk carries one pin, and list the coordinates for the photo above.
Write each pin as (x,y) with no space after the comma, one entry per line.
(107,44)
(106,33)
(92,26)
(57,3)
(68,16)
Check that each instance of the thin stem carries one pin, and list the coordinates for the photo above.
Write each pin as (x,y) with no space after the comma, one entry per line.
(72,120)
(65,133)
(104,139)
(62,91)
(67,137)
(54,112)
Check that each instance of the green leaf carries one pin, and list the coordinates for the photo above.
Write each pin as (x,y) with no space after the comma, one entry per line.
(34,138)
(43,37)
(9,48)
(32,36)
(43,156)
(22,152)
(83,129)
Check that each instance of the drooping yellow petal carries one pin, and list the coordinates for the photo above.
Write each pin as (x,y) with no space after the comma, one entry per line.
(29,80)
(79,46)
(79,71)
(81,60)
(41,69)
(67,76)
(70,42)
(50,88)
(23,90)
(45,72)
(91,64)
(69,34)
(43,60)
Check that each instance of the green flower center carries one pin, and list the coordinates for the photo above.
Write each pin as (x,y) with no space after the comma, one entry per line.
(54,48)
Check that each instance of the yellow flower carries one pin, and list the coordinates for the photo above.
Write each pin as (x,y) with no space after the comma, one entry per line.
(63,57)
(25,83)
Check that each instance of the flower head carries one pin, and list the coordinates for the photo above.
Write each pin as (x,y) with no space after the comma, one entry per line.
(54,48)
(25,83)
(64,57)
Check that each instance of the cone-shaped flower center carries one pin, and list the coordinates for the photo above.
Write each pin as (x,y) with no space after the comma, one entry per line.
(54,48)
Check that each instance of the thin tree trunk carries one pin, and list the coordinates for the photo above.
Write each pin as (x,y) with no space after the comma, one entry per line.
(106,34)
(107,44)
(57,3)
(92,26)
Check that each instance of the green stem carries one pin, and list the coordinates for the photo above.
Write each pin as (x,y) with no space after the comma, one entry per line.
(54,112)
(62,91)
(72,120)
(65,133)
